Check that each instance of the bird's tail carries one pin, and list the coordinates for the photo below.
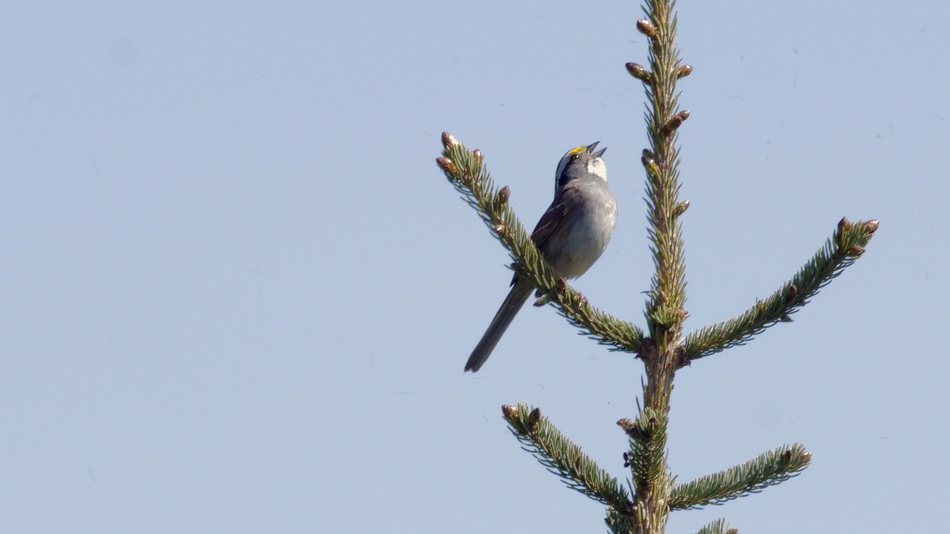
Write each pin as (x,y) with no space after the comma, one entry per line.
(509,308)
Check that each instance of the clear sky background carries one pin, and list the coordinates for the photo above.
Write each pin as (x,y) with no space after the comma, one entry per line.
(237,294)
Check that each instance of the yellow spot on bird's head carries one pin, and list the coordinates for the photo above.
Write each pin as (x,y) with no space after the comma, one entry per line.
(577,150)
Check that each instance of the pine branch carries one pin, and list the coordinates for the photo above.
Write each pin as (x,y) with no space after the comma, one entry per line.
(563,458)
(839,252)
(750,477)
(618,523)
(465,171)
(647,456)
(651,478)
(666,310)
(717,527)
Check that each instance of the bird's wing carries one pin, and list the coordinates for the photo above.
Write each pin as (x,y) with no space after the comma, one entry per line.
(547,226)
(549,222)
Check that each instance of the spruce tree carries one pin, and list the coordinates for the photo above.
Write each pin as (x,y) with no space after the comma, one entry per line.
(643,503)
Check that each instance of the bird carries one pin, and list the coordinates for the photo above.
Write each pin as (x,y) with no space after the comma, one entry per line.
(571,235)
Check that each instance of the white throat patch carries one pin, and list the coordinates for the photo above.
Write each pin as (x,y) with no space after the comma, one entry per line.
(597,167)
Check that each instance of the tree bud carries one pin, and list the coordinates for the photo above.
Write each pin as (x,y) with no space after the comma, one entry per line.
(502,197)
(638,72)
(448,141)
(676,121)
(446,165)
(646,28)
(682,207)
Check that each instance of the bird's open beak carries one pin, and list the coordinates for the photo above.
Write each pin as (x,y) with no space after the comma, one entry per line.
(599,153)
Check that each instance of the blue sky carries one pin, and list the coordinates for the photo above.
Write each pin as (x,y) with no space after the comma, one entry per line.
(237,293)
